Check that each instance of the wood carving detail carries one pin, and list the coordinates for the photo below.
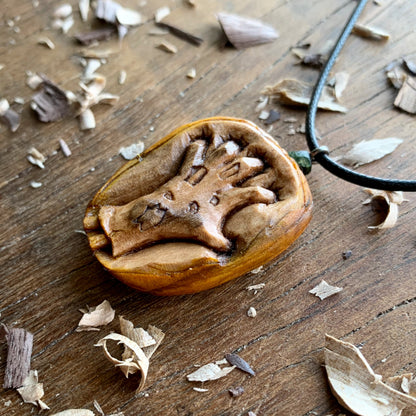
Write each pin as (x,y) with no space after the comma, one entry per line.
(214,199)
(212,183)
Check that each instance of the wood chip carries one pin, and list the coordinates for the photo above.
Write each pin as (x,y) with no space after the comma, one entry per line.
(357,387)
(199,390)
(323,290)
(96,316)
(65,148)
(128,17)
(209,372)
(51,103)
(191,73)
(243,32)
(236,361)
(391,201)
(137,362)
(130,152)
(341,82)
(63,11)
(167,47)
(33,81)
(262,103)
(32,391)
(273,116)
(19,352)
(46,42)
(397,76)
(315,60)
(293,92)
(368,151)
(182,34)
(251,312)
(84,8)
(257,287)
(264,115)
(8,116)
(161,13)
(406,98)
(236,391)
(36,158)
(87,120)
(92,36)
(35,184)
(122,76)
(107,10)
(370,32)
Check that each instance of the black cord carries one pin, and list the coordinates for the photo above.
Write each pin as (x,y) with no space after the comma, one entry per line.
(320,154)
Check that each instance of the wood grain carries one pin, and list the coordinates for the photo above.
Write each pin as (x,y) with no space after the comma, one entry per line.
(48,272)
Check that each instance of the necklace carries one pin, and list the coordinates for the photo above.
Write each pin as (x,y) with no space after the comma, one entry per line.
(321,153)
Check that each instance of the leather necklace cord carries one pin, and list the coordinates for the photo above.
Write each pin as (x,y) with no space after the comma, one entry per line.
(320,153)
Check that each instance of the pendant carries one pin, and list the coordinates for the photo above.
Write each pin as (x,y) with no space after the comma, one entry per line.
(211,201)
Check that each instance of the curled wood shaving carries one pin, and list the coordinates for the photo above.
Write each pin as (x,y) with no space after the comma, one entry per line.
(368,151)
(370,32)
(130,152)
(262,103)
(46,42)
(323,290)
(294,92)
(87,120)
(99,315)
(392,201)
(406,98)
(356,386)
(243,32)
(209,372)
(32,391)
(137,362)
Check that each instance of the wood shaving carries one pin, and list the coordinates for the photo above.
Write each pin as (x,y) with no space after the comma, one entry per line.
(257,270)
(36,158)
(32,391)
(406,98)
(130,152)
(9,116)
(137,362)
(182,34)
(240,363)
(66,24)
(392,200)
(370,32)
(84,8)
(257,287)
(316,60)
(191,73)
(46,42)
(51,103)
(209,372)
(397,76)
(63,11)
(74,412)
(96,316)
(293,92)
(251,312)
(161,13)
(107,10)
(262,103)
(243,32)
(341,82)
(93,93)
(35,184)
(122,76)
(128,17)
(141,337)
(199,390)
(368,151)
(167,47)
(323,290)
(87,120)
(33,81)
(356,386)
(273,116)
(19,352)
(236,391)
(91,66)
(65,148)
(264,114)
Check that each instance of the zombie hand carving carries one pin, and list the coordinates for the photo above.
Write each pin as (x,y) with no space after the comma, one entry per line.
(194,204)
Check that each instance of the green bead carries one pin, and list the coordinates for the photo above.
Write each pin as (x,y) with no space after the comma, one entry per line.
(303,159)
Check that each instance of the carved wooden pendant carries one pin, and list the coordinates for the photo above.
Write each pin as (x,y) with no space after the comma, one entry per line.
(211,201)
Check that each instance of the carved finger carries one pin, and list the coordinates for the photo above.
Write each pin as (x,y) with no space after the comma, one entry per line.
(224,154)
(240,197)
(265,179)
(241,169)
(215,143)
(194,156)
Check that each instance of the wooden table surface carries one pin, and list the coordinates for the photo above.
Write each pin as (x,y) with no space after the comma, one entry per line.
(48,272)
